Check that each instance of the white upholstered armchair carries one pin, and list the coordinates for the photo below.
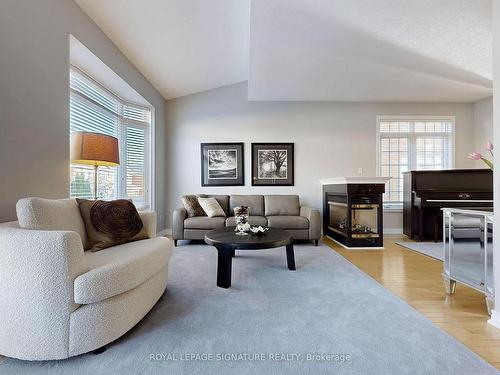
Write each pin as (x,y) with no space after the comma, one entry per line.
(57,300)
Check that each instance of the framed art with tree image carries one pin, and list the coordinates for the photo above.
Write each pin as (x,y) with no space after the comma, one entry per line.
(222,164)
(272,164)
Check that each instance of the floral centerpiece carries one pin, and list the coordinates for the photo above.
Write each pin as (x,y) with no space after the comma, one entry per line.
(477,156)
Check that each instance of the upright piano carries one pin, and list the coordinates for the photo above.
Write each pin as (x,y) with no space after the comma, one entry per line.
(426,192)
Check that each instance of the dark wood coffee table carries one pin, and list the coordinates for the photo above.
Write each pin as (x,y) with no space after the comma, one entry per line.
(226,241)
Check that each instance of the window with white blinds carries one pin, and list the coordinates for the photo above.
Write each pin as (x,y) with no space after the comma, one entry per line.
(412,143)
(93,108)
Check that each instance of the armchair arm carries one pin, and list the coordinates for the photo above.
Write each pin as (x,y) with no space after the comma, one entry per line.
(180,214)
(314,221)
(37,272)
(149,221)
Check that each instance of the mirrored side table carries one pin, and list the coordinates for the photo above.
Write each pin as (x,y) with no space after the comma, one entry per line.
(468,251)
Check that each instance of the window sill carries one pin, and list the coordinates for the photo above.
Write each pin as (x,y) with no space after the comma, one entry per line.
(393,210)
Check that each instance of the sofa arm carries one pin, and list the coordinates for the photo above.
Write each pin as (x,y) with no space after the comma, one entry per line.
(314,221)
(37,273)
(149,221)
(180,214)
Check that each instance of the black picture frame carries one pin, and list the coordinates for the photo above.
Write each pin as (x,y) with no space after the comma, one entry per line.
(262,171)
(215,170)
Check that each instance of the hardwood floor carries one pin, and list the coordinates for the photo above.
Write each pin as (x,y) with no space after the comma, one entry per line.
(417,279)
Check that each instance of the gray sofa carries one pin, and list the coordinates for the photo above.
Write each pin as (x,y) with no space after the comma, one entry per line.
(274,211)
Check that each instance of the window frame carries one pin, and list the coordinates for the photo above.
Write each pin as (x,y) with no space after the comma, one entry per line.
(123,123)
(412,140)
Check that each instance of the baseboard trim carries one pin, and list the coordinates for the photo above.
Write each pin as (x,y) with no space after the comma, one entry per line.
(393,231)
(164,232)
(168,231)
(386,231)
(494,319)
(354,248)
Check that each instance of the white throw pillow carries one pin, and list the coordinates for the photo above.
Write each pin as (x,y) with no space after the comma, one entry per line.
(51,214)
(211,207)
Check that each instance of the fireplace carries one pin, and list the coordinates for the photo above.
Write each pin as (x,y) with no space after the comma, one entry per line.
(352,213)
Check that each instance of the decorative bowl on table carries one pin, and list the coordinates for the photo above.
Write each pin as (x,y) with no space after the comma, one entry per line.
(258,231)
(242,229)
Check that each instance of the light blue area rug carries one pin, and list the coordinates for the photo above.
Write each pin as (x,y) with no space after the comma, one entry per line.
(327,317)
(431,249)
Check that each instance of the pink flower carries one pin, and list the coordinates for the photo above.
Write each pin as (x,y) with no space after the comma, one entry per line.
(489,146)
(475,156)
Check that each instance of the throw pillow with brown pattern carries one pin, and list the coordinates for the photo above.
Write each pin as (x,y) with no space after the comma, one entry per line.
(111,223)
(192,206)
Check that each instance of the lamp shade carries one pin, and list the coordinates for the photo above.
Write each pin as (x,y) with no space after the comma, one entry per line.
(94,149)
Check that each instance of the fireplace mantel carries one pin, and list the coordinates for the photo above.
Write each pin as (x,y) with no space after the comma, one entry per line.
(354,180)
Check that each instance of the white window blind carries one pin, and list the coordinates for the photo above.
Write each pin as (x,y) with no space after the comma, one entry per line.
(412,143)
(93,108)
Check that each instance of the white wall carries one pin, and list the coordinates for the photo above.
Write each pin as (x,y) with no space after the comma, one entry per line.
(34,98)
(495,317)
(483,120)
(331,139)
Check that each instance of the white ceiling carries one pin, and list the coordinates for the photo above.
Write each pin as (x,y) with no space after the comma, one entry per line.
(359,50)
(83,58)
(307,50)
(180,46)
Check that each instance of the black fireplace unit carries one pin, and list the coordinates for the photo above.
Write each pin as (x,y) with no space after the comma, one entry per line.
(352,214)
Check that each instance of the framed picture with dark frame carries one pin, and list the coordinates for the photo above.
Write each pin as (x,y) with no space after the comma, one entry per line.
(272,164)
(222,164)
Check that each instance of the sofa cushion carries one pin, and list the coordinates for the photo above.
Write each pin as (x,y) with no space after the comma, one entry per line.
(252,220)
(211,207)
(203,222)
(288,222)
(111,223)
(222,199)
(118,269)
(282,205)
(254,202)
(192,206)
(51,214)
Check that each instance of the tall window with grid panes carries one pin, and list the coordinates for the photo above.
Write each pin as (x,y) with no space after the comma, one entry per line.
(412,143)
(94,108)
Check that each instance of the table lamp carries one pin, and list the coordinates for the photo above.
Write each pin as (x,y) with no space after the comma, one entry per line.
(94,149)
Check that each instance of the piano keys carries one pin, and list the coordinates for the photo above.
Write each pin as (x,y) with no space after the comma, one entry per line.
(425,193)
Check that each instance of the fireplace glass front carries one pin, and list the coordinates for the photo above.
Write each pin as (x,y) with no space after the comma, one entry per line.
(338,217)
(354,219)
(364,220)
